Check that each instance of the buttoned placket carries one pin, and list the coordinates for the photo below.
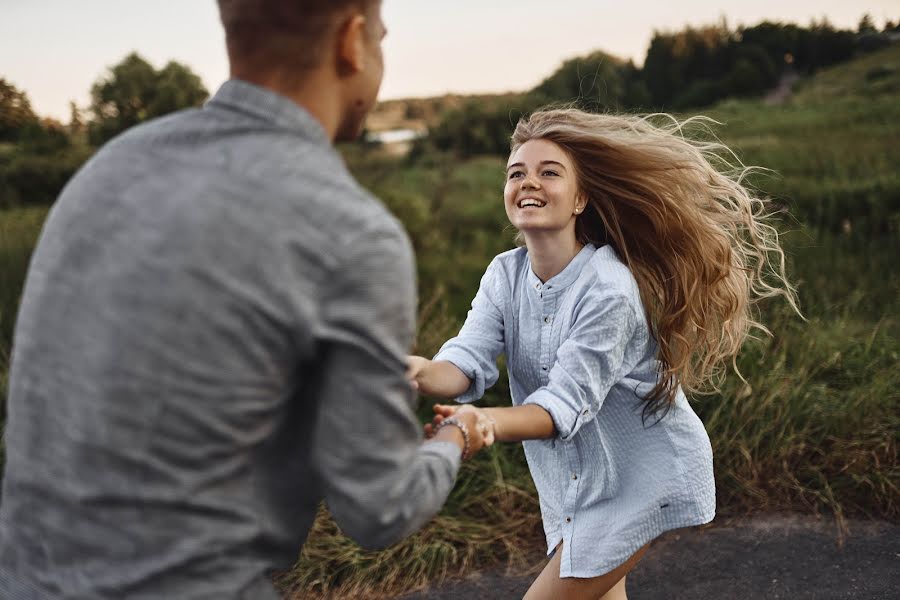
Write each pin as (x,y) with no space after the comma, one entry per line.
(571,494)
(547,304)
(547,307)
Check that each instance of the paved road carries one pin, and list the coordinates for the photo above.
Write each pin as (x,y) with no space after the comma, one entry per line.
(759,558)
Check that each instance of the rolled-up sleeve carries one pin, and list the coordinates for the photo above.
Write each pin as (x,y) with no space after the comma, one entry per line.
(588,363)
(480,341)
(381,482)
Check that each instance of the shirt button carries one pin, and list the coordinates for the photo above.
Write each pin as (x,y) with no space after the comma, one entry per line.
(546,319)
(574,476)
(543,367)
(537,286)
(568,519)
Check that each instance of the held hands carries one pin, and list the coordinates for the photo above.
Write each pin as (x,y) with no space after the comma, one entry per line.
(477,421)
(445,380)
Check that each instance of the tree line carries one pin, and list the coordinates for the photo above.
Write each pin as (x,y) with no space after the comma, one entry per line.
(39,155)
(684,70)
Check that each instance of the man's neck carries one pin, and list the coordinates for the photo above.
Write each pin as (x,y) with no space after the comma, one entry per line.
(318,95)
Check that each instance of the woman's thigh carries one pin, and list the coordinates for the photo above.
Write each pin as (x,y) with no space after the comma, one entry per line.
(549,585)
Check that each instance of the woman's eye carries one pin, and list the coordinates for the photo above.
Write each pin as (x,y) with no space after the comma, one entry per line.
(549,172)
(515,174)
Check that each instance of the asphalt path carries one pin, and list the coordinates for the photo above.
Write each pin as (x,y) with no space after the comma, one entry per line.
(760,558)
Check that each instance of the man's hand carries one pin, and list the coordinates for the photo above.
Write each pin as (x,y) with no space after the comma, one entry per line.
(415,365)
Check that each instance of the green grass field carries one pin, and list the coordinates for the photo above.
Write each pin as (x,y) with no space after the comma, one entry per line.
(815,426)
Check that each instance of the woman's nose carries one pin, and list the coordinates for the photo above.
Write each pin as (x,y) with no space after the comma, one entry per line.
(529,183)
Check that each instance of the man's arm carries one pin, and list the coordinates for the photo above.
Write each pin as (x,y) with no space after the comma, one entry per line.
(381,482)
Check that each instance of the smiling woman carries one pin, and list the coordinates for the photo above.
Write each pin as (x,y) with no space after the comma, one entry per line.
(638,265)
(542,199)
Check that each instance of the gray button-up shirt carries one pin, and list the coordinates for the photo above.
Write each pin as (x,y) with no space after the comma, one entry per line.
(211,340)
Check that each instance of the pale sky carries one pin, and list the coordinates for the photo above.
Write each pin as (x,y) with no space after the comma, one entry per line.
(55,49)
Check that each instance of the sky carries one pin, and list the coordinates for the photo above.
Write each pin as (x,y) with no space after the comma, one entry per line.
(55,50)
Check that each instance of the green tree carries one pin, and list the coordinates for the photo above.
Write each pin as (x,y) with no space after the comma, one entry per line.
(866,24)
(674,61)
(15,111)
(133,92)
(597,81)
(474,129)
(177,87)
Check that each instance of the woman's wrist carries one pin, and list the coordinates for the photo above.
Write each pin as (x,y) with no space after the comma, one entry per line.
(492,414)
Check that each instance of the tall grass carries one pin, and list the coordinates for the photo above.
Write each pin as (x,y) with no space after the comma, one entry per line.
(815,426)
(18,232)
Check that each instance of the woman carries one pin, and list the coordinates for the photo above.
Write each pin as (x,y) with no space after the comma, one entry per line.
(640,265)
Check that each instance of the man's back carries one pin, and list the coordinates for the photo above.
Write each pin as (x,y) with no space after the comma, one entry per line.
(204,295)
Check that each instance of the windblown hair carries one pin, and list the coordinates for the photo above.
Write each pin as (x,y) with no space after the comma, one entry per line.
(287,34)
(699,243)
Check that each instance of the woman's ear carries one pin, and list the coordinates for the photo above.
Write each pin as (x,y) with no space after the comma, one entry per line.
(580,203)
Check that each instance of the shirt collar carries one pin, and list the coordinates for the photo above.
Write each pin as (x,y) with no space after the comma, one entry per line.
(268,106)
(564,278)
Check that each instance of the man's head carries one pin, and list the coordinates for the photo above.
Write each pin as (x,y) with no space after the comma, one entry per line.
(288,44)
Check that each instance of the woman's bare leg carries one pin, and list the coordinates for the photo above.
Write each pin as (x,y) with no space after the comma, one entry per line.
(617,592)
(609,586)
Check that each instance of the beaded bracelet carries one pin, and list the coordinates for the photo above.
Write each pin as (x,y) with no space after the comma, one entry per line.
(462,428)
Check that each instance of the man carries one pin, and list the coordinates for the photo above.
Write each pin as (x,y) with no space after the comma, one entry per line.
(212,338)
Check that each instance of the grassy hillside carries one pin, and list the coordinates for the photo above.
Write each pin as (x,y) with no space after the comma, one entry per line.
(814,428)
(833,145)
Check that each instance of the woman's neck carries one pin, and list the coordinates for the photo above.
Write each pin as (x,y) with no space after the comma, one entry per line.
(549,255)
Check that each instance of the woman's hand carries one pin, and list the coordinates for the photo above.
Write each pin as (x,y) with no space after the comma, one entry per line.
(501,424)
(483,422)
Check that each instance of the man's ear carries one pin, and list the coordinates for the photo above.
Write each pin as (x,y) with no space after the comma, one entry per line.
(351,44)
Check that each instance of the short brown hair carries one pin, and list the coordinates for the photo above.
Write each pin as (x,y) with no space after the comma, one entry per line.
(271,34)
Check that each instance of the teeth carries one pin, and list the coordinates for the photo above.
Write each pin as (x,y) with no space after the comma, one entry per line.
(531,202)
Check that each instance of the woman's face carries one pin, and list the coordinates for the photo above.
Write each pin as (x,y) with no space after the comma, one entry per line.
(541,192)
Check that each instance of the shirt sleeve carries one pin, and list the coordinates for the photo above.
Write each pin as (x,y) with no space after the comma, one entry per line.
(380,481)
(588,363)
(480,341)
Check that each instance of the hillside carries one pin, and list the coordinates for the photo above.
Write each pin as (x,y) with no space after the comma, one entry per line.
(421,113)
(875,73)
(831,146)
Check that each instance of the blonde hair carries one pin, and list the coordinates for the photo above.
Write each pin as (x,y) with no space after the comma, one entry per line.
(700,245)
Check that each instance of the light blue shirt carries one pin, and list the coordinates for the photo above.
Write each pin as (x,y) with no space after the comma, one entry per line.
(579,346)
